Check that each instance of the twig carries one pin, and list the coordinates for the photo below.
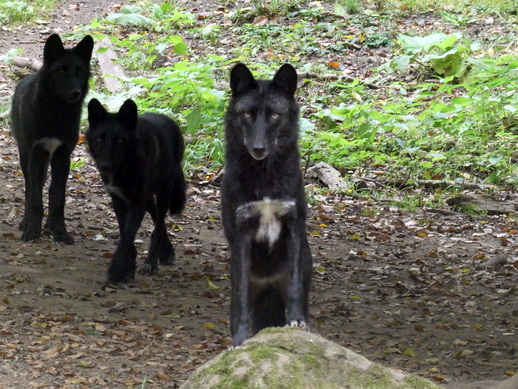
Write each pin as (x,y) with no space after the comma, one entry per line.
(30,63)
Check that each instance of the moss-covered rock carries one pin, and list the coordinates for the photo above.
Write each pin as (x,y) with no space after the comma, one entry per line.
(278,358)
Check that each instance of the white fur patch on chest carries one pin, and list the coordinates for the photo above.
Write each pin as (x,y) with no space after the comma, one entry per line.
(50,144)
(269,213)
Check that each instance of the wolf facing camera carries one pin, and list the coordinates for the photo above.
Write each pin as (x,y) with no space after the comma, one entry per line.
(45,113)
(264,206)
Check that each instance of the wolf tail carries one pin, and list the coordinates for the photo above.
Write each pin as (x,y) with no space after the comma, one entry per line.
(178,194)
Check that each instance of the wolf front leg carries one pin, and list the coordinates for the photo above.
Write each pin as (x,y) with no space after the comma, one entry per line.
(240,280)
(60,167)
(123,265)
(34,166)
(299,278)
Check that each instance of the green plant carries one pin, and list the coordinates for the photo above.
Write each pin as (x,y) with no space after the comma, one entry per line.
(445,54)
(17,11)
(345,7)
(77,164)
(274,7)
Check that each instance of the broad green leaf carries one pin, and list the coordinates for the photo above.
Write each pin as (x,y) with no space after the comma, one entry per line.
(305,126)
(416,44)
(461,100)
(400,63)
(193,120)
(448,64)
(130,19)
(340,10)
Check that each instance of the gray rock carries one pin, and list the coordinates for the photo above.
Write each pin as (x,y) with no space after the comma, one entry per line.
(278,358)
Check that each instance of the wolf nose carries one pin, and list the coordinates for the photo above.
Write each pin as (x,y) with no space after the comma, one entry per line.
(75,94)
(259,150)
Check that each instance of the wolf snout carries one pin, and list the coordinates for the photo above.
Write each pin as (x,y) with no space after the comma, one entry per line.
(258,152)
(75,95)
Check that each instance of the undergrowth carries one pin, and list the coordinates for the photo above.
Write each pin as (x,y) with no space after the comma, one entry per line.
(443,106)
(13,12)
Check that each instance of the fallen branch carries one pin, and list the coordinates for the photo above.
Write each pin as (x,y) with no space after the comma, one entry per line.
(480,202)
(110,69)
(24,62)
(441,211)
(499,260)
(328,175)
(444,184)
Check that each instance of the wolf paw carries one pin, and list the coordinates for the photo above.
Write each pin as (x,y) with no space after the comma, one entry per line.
(298,324)
(167,260)
(119,278)
(148,269)
(59,232)
(65,238)
(31,234)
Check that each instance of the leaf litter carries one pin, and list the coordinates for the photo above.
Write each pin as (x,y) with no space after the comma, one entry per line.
(424,292)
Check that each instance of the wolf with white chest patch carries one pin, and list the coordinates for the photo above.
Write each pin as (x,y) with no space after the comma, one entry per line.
(46,111)
(263,205)
(140,161)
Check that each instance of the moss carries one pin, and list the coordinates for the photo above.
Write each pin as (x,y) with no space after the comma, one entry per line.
(299,361)
(419,383)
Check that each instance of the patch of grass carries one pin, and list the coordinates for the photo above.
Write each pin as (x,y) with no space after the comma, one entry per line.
(275,7)
(461,6)
(459,125)
(12,12)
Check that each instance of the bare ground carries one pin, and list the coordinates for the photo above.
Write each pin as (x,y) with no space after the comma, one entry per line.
(400,288)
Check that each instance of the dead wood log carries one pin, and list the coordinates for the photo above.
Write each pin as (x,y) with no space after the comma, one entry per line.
(499,260)
(110,68)
(442,184)
(328,175)
(483,203)
(24,62)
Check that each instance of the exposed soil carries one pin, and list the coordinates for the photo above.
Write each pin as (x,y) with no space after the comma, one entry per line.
(400,288)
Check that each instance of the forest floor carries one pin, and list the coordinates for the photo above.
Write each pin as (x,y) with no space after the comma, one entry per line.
(402,288)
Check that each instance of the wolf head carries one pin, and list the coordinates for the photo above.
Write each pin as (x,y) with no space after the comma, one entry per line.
(264,112)
(68,70)
(111,137)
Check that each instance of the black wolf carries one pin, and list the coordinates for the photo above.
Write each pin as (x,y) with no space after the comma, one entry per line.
(140,161)
(45,113)
(263,204)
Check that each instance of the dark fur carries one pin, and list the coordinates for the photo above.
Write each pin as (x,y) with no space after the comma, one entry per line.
(45,113)
(270,281)
(140,161)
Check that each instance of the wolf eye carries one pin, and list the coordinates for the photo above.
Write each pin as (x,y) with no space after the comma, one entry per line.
(275,115)
(248,115)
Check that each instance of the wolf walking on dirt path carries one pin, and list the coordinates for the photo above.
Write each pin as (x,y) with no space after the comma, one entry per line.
(140,161)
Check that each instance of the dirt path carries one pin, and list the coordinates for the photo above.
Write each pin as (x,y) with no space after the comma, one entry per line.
(399,288)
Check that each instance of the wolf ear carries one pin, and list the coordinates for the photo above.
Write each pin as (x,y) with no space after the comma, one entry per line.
(96,112)
(85,47)
(53,49)
(286,78)
(240,79)
(128,114)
